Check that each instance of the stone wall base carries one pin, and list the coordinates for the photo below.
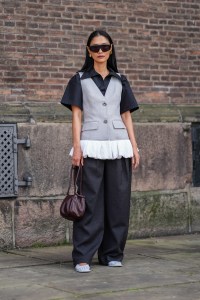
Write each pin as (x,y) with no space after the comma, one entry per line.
(157,213)
(37,222)
(162,203)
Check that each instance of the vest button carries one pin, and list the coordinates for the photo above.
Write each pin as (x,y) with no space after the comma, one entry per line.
(104,103)
(105,121)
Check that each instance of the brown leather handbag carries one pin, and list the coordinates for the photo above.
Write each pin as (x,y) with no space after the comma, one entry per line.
(73,206)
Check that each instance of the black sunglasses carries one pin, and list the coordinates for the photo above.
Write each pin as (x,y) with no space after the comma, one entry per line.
(96,48)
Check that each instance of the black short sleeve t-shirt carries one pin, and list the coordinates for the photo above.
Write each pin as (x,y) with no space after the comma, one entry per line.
(73,95)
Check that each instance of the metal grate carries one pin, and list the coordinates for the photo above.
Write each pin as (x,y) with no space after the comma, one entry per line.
(196,153)
(8,161)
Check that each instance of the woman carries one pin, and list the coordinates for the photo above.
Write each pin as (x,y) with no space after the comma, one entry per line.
(106,147)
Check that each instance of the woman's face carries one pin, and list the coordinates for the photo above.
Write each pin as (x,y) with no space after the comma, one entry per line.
(100,55)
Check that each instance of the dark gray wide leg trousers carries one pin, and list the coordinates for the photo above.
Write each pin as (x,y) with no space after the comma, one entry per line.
(104,227)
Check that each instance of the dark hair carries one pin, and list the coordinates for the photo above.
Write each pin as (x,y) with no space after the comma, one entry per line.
(112,63)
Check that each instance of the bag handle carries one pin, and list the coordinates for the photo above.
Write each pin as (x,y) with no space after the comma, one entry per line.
(76,179)
(72,174)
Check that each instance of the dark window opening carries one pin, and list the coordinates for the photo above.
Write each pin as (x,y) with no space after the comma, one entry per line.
(196,154)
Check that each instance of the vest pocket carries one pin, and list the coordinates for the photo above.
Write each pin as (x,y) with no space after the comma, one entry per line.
(118,124)
(92,125)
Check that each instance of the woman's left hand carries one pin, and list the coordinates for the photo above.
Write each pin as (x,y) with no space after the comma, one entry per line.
(135,160)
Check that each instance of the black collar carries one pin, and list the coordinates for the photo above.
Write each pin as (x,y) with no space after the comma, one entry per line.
(92,73)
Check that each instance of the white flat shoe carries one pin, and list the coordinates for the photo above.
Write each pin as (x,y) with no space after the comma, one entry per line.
(115,263)
(82,268)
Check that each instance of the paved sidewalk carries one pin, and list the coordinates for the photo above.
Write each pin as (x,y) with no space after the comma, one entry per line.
(154,269)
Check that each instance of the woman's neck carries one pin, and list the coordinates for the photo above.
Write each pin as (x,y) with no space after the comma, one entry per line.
(101,69)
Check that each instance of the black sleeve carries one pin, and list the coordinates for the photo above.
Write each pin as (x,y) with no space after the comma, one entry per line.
(128,101)
(73,93)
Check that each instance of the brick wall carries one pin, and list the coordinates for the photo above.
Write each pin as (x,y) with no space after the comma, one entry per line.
(42,44)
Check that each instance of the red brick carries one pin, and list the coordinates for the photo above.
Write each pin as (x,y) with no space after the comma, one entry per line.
(156,45)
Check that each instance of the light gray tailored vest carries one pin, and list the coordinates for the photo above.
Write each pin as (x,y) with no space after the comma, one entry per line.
(101,114)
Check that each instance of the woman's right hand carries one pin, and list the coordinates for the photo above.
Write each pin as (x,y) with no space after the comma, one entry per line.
(77,157)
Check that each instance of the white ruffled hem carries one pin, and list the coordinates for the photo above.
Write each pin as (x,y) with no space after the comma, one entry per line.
(106,149)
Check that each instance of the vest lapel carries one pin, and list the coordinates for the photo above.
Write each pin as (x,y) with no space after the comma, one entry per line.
(98,90)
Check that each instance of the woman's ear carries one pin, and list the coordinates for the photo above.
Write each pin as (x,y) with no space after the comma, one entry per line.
(89,51)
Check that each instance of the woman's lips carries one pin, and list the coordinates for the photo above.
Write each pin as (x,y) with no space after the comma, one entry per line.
(100,56)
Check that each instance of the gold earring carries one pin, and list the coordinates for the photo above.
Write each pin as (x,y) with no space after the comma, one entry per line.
(90,55)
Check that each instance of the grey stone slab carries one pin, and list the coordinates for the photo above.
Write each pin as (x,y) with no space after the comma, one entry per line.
(166,164)
(12,261)
(171,244)
(176,292)
(172,273)
(134,275)
(47,160)
(54,112)
(38,222)
(33,292)
(195,209)
(6,230)
(166,157)
(51,254)
(157,213)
